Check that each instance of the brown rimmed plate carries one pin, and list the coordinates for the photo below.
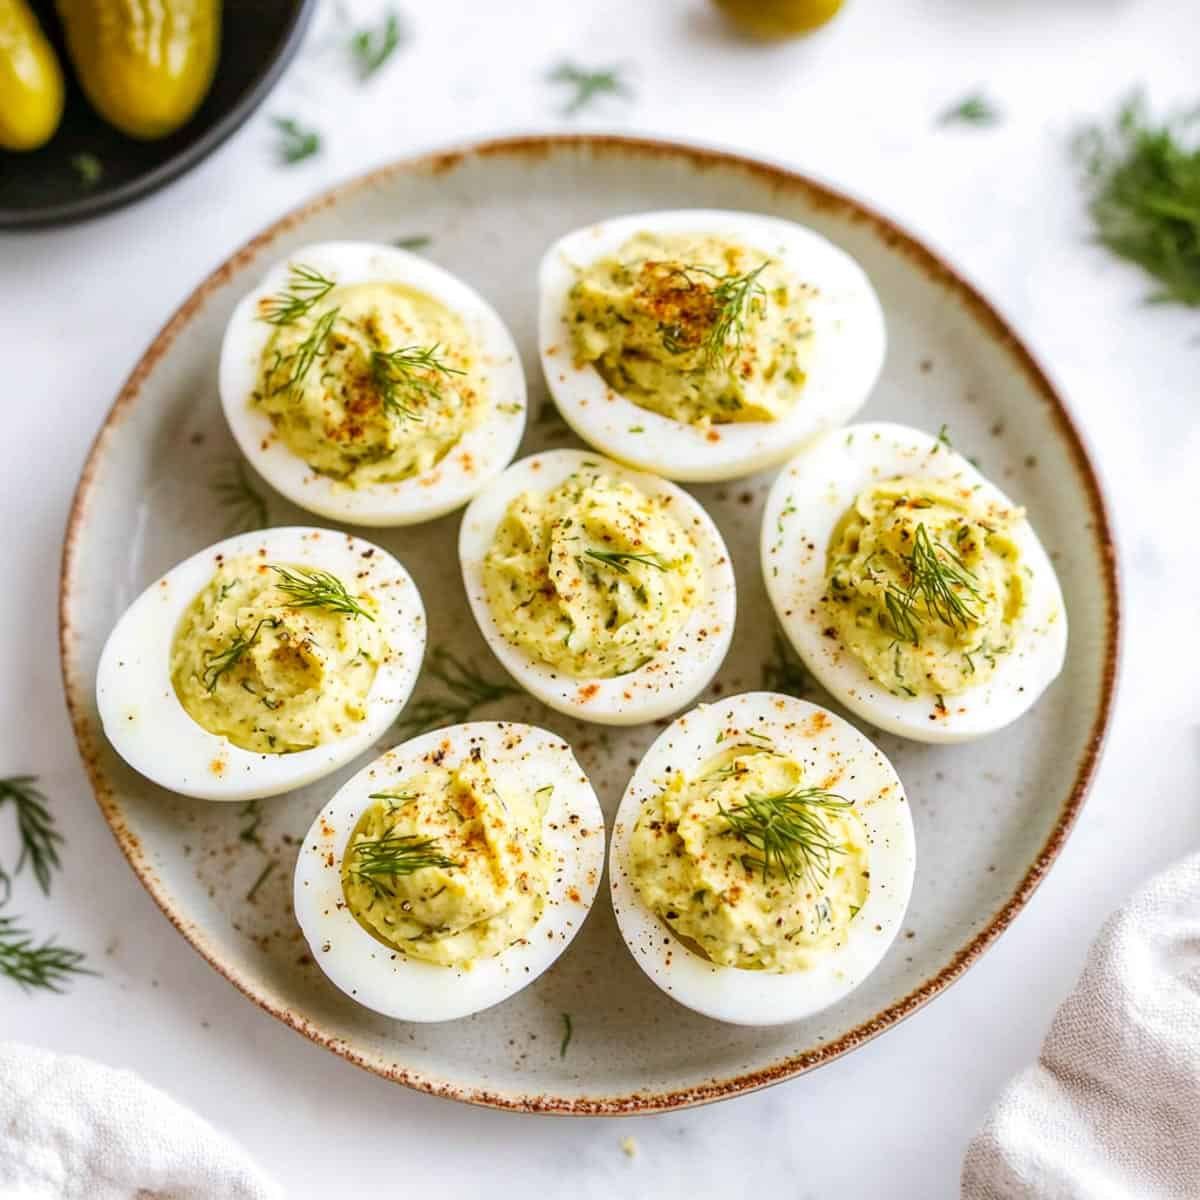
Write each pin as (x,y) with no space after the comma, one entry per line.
(990,817)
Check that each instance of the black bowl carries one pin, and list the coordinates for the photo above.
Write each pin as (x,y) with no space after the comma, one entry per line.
(46,188)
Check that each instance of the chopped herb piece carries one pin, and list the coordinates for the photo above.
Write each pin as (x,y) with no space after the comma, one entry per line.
(618,558)
(371,48)
(566,1037)
(416,241)
(975,109)
(296,143)
(262,878)
(587,85)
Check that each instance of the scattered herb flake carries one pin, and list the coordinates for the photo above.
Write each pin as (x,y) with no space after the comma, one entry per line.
(296,143)
(566,1037)
(415,241)
(587,85)
(975,109)
(371,48)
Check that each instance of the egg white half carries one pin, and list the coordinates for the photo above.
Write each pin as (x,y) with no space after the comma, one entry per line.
(804,506)
(481,454)
(152,731)
(519,758)
(670,680)
(848,345)
(828,748)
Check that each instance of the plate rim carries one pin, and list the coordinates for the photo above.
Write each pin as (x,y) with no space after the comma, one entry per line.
(822,196)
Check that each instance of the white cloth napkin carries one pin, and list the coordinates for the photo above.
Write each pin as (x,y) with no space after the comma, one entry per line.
(1111,1110)
(73,1128)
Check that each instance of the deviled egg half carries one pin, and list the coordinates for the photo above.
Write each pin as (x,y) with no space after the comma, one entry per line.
(262,663)
(370,386)
(914,590)
(606,593)
(451,872)
(762,859)
(702,344)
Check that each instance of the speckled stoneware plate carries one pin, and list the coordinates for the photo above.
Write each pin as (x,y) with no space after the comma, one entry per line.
(990,817)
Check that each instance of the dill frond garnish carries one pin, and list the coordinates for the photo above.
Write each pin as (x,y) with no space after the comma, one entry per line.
(409,376)
(47,966)
(313,347)
(371,48)
(468,690)
(234,492)
(223,661)
(306,288)
(35,827)
(975,109)
(311,587)
(716,329)
(940,587)
(392,856)
(296,143)
(1143,180)
(788,833)
(618,558)
(588,85)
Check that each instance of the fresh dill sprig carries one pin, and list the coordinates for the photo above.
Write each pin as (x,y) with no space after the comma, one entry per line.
(89,169)
(306,287)
(311,587)
(940,581)
(975,109)
(296,143)
(588,85)
(35,826)
(941,578)
(788,833)
(618,558)
(568,1031)
(234,492)
(223,661)
(29,965)
(371,48)
(409,376)
(730,296)
(373,860)
(313,347)
(783,672)
(1143,180)
(468,689)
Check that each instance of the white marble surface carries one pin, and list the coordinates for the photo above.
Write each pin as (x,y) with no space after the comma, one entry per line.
(856,105)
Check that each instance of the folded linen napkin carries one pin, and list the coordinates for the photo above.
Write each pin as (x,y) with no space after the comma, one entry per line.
(73,1128)
(1111,1110)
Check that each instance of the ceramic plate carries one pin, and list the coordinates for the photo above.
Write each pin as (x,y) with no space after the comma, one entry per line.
(990,818)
